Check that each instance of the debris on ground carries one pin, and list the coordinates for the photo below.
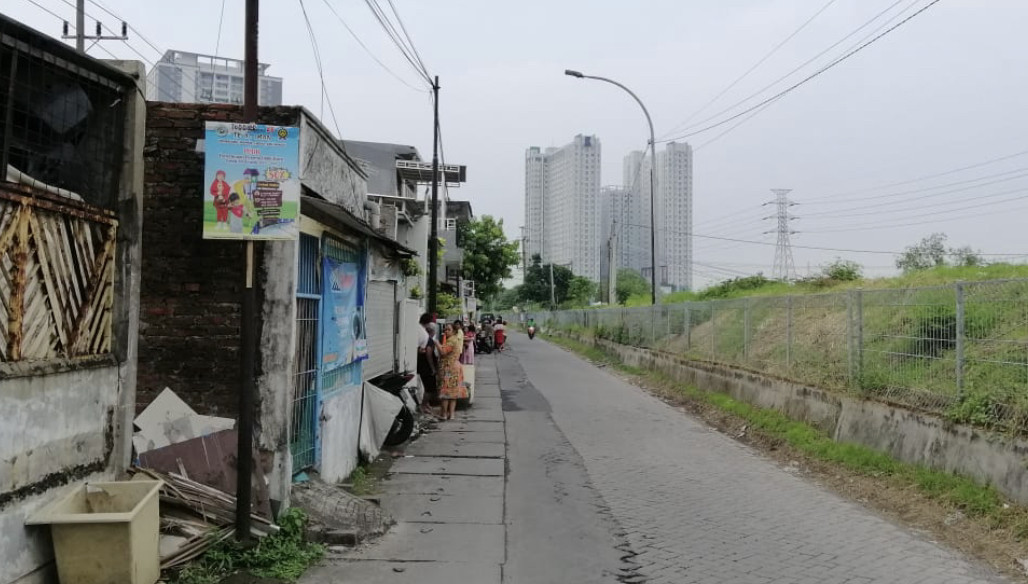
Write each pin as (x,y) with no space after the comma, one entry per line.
(195,517)
(169,420)
(337,516)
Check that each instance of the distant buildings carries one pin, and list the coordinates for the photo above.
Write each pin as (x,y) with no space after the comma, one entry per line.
(631,211)
(182,77)
(562,205)
(570,220)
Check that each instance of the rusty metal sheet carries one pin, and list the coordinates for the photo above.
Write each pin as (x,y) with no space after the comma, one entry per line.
(210,460)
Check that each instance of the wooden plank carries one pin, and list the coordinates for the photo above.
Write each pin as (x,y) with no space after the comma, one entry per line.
(71,275)
(51,289)
(58,261)
(8,235)
(79,237)
(16,311)
(95,286)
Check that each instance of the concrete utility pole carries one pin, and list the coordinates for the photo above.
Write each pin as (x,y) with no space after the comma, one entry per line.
(433,238)
(553,290)
(80,35)
(653,177)
(248,326)
(784,268)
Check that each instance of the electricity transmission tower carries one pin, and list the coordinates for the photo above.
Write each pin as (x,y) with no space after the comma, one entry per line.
(784,268)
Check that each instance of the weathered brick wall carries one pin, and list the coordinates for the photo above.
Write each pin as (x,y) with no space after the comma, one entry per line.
(191,288)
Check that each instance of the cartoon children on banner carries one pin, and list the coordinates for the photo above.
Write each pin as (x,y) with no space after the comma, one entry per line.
(220,191)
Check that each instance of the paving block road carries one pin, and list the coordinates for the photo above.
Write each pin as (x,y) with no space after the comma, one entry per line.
(562,472)
(699,507)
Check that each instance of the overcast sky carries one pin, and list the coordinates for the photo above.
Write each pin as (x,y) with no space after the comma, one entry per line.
(946,90)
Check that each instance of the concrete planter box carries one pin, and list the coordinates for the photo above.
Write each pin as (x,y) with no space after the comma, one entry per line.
(106,533)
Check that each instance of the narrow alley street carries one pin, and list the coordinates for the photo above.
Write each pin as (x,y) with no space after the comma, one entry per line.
(605,483)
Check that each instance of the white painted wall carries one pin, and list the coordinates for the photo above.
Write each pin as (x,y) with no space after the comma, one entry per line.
(49,425)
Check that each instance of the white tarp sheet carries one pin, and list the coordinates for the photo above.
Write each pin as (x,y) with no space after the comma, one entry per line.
(377,415)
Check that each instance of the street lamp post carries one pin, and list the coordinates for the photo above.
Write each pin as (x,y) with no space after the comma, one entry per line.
(653,178)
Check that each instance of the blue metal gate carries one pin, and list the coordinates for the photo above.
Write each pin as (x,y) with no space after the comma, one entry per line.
(303,431)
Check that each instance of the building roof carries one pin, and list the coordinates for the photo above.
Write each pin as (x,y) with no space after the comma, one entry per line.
(337,216)
(379,162)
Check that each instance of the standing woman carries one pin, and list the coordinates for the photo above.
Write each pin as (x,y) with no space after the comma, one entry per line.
(451,373)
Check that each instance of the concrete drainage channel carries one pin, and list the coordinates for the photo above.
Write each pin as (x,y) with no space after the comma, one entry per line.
(447,498)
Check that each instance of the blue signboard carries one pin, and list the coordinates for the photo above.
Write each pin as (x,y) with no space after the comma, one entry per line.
(345,338)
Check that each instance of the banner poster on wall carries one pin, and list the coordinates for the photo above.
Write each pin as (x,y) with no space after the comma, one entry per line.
(345,336)
(251,182)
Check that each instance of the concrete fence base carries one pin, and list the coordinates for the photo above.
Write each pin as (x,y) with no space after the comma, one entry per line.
(907,435)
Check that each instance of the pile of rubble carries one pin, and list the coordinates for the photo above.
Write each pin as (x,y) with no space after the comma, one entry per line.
(195,457)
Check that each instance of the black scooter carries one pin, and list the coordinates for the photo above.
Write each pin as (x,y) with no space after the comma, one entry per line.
(531,332)
(403,386)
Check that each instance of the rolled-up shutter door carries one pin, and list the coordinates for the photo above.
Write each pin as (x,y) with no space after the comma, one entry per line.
(380,311)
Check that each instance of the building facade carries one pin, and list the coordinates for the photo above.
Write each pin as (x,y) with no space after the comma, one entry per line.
(182,77)
(674,219)
(563,205)
(674,216)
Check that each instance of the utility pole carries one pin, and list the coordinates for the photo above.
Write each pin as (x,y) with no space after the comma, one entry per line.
(80,35)
(248,325)
(553,294)
(433,238)
(80,26)
(784,268)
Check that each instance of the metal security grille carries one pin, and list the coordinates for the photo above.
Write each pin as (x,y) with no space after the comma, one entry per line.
(62,117)
(303,429)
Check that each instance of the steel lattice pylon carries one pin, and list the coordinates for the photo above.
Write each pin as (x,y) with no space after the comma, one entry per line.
(784,267)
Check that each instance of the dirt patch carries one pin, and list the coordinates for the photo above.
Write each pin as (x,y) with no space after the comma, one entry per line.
(1000,547)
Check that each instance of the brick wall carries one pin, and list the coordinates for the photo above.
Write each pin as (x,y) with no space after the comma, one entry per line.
(191,288)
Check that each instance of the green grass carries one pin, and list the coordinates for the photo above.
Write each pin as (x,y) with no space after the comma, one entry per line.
(940,276)
(964,493)
(362,482)
(285,555)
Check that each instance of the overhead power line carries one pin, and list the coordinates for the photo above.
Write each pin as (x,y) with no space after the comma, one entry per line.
(881,208)
(806,79)
(753,68)
(923,177)
(760,91)
(366,49)
(409,53)
(813,247)
(321,70)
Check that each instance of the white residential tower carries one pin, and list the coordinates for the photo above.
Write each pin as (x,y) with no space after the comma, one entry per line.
(562,205)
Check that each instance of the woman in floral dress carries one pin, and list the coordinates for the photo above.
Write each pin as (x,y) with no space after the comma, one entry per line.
(451,374)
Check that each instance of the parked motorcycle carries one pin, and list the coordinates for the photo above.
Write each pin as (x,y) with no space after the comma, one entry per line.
(405,387)
(531,332)
(483,344)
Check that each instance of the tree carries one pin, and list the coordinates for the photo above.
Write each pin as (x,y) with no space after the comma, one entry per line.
(536,288)
(507,298)
(630,283)
(488,256)
(842,271)
(965,256)
(581,291)
(931,252)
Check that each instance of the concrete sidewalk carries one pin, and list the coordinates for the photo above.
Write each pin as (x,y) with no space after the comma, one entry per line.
(447,496)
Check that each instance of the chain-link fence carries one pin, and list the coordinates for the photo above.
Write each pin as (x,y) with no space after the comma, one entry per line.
(960,350)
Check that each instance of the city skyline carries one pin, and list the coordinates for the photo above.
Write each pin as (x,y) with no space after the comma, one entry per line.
(622,213)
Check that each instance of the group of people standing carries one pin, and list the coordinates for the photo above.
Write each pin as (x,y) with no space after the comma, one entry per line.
(441,364)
